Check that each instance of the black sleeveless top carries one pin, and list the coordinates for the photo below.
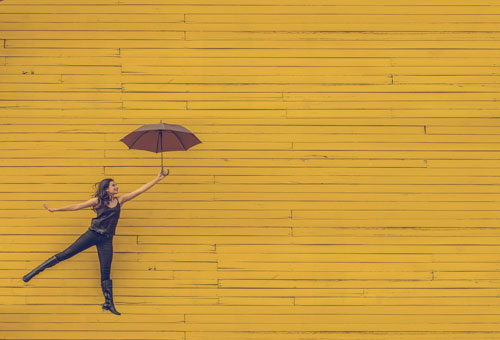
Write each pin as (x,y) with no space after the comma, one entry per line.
(106,220)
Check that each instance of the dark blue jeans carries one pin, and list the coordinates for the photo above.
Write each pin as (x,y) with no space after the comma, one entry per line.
(88,239)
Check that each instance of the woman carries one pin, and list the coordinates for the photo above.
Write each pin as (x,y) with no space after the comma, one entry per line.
(100,232)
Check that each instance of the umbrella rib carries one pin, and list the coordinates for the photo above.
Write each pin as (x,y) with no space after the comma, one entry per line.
(180,140)
(138,139)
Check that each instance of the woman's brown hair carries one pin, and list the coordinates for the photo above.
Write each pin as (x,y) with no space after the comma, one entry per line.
(101,193)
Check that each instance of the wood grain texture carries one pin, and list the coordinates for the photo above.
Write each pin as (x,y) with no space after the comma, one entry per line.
(346,188)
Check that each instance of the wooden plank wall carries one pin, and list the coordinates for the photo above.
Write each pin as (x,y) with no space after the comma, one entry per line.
(346,187)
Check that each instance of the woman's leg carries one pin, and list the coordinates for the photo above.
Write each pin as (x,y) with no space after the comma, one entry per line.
(105,252)
(83,242)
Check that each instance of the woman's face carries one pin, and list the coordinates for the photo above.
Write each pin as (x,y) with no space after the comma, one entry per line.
(112,188)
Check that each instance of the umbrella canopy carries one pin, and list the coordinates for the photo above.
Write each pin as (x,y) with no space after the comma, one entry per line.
(160,137)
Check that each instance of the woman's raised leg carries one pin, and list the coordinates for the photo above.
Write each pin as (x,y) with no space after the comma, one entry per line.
(83,242)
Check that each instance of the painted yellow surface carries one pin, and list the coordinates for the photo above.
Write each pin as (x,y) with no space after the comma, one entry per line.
(347,186)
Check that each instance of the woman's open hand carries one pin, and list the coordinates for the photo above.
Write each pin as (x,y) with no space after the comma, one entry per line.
(162,175)
(47,207)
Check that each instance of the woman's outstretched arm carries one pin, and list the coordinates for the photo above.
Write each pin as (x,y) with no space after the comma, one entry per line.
(73,207)
(135,193)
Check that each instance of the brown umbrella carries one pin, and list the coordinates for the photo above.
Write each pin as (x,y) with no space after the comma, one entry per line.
(159,138)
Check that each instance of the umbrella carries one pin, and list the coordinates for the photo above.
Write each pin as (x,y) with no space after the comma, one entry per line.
(159,138)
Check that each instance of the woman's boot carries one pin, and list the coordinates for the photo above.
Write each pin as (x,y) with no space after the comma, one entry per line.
(48,263)
(107,289)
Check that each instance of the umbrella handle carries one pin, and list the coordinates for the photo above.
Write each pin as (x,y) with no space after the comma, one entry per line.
(163,172)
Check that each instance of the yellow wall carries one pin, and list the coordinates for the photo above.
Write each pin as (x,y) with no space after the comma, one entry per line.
(346,187)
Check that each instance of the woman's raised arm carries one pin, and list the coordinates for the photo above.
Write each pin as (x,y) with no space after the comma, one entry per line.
(135,193)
